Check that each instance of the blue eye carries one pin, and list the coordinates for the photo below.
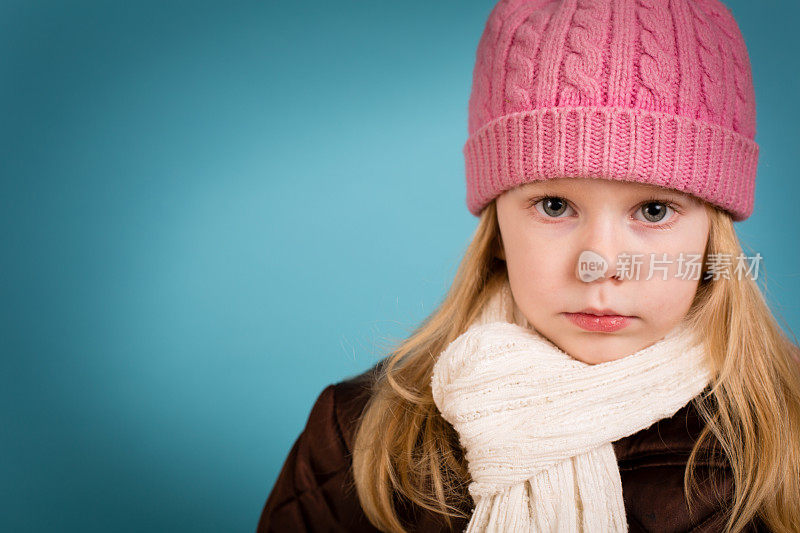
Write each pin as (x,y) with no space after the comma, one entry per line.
(551,206)
(654,211)
(658,212)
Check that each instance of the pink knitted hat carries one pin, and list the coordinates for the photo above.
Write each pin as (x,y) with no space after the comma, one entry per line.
(651,91)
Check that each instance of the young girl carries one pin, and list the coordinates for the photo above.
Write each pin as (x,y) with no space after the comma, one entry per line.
(604,359)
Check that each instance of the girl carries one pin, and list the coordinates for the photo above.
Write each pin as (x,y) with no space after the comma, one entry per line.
(604,359)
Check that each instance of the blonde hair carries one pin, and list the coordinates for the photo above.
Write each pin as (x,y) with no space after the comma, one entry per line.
(406,453)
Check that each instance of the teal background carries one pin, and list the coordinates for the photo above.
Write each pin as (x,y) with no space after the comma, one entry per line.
(211,210)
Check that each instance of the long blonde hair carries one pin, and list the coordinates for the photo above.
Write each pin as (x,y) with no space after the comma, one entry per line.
(406,453)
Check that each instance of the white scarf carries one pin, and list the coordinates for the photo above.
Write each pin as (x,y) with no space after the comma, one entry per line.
(537,425)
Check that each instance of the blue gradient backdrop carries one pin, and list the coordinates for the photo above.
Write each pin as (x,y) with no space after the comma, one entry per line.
(211,210)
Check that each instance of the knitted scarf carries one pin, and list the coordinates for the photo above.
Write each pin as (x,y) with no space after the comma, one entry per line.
(537,425)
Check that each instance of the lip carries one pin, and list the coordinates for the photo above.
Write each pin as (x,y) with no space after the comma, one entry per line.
(601,320)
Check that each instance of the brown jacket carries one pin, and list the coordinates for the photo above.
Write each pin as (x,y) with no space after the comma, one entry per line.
(314,490)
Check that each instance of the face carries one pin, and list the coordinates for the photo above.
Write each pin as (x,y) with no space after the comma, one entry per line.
(545,226)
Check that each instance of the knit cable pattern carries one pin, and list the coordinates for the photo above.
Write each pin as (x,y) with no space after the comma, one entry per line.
(649,91)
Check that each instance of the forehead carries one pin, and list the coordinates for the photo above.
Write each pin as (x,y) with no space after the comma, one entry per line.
(590,186)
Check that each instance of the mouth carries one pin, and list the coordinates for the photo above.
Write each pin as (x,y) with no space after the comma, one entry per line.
(601,312)
(600,320)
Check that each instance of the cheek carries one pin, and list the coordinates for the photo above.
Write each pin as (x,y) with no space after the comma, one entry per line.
(667,301)
(535,265)
(675,254)
(690,243)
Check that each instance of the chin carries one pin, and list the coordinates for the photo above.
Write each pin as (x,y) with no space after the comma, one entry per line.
(603,359)
(590,353)
(589,358)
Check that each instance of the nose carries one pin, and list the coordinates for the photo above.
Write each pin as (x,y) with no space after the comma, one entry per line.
(600,246)
(592,266)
